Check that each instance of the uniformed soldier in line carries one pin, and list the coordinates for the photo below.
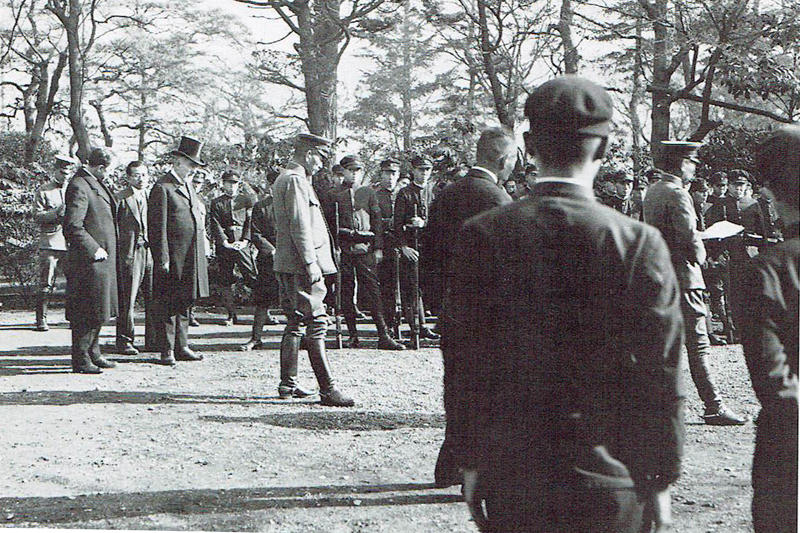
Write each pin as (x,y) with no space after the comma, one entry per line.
(135,261)
(230,228)
(623,182)
(719,187)
(770,341)
(332,186)
(49,214)
(361,245)
(700,192)
(387,269)
(737,206)
(410,215)
(199,182)
(668,206)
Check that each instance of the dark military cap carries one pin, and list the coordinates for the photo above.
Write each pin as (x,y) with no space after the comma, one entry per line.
(309,140)
(680,149)
(569,105)
(338,170)
(699,186)
(351,162)
(739,176)
(421,161)
(390,164)
(718,178)
(231,176)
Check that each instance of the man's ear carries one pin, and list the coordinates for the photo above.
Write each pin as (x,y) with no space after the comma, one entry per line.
(529,146)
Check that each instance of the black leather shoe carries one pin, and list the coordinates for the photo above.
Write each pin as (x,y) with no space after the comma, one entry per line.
(353,342)
(251,345)
(334,398)
(167,358)
(88,368)
(187,354)
(360,315)
(42,327)
(102,362)
(127,349)
(271,321)
(388,343)
(228,322)
(427,333)
(193,322)
(717,340)
(285,392)
(723,417)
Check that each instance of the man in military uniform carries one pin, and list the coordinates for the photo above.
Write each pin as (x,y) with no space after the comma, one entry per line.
(136,263)
(770,340)
(49,214)
(176,237)
(668,206)
(475,193)
(410,216)
(566,323)
(361,245)
(230,227)
(719,187)
(302,257)
(387,268)
(90,229)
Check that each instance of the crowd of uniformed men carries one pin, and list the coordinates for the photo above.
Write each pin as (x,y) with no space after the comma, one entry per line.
(562,322)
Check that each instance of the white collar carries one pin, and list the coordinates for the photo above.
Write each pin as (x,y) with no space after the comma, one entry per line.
(572,181)
(484,169)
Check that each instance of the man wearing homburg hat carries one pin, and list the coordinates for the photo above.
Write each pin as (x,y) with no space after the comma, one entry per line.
(567,317)
(49,214)
(174,223)
(361,244)
(669,207)
(770,293)
(302,256)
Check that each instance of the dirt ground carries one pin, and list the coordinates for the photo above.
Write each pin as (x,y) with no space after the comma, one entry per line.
(208,445)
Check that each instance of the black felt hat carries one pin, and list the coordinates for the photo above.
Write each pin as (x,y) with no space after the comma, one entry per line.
(190,149)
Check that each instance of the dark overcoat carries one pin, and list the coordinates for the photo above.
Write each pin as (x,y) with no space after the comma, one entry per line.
(175,227)
(90,222)
(568,332)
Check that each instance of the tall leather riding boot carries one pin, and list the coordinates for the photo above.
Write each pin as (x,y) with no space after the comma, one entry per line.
(329,395)
(227,301)
(290,346)
(352,329)
(41,311)
(385,341)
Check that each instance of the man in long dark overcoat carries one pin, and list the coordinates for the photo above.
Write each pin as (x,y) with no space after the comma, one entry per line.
(478,191)
(176,241)
(90,229)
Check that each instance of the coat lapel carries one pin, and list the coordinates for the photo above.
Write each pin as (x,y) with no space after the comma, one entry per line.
(101,189)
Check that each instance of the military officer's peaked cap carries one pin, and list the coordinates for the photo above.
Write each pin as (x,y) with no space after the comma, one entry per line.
(718,178)
(351,162)
(390,164)
(63,160)
(680,150)
(420,161)
(569,105)
(309,140)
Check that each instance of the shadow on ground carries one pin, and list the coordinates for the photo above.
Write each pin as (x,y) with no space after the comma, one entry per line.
(206,501)
(338,420)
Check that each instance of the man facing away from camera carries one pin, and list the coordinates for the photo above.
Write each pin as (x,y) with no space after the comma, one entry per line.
(567,317)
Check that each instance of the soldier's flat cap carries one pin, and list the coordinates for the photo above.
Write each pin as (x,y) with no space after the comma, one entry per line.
(390,164)
(309,140)
(337,170)
(351,162)
(569,105)
(680,149)
(778,157)
(718,178)
(63,160)
(420,161)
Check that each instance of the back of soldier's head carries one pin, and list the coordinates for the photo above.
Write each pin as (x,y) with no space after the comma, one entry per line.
(494,144)
(778,161)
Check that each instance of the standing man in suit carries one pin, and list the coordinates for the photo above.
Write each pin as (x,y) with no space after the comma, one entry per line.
(410,216)
(90,229)
(174,223)
(135,262)
(669,207)
(302,257)
(230,227)
(49,214)
(361,246)
(565,315)
(475,193)
(770,340)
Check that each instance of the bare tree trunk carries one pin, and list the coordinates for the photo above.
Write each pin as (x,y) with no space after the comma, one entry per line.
(636,100)
(707,125)
(45,99)
(489,67)
(662,73)
(408,113)
(107,138)
(571,57)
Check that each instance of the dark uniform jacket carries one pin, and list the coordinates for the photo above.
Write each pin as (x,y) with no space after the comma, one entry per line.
(175,227)
(743,211)
(132,219)
(262,229)
(90,223)
(359,210)
(230,219)
(386,205)
(474,193)
(569,335)
(408,198)
(669,207)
